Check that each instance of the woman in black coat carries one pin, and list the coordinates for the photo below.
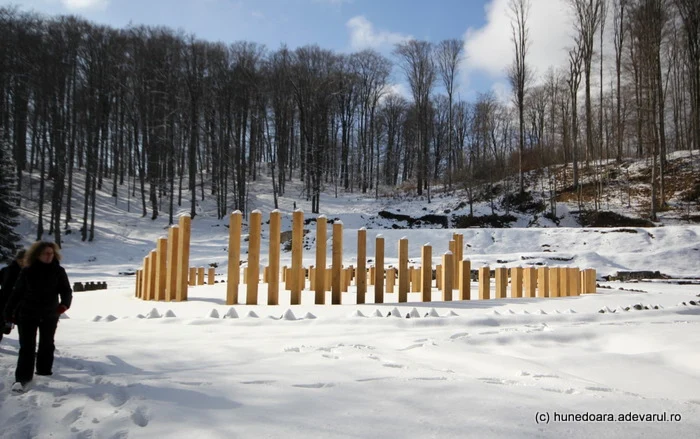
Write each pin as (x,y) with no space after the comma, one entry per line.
(34,305)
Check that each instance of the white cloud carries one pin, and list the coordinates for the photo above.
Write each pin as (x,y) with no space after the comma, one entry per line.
(489,49)
(84,4)
(363,35)
(400,89)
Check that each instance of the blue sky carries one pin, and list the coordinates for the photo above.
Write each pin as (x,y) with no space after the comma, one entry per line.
(349,25)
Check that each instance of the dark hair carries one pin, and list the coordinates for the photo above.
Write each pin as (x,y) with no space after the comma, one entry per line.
(32,255)
(20,254)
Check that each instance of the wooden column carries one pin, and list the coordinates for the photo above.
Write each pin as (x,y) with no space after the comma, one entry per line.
(501,274)
(530,279)
(543,282)
(192,278)
(574,280)
(320,271)
(390,279)
(233,278)
(137,291)
(403,270)
(297,254)
(589,281)
(554,282)
(361,279)
(200,275)
(152,276)
(171,263)
(336,294)
(447,280)
(147,277)
(183,254)
(211,276)
(417,286)
(516,282)
(161,266)
(379,269)
(427,268)
(372,274)
(465,279)
(452,245)
(459,247)
(254,228)
(563,281)
(273,272)
(438,276)
(484,283)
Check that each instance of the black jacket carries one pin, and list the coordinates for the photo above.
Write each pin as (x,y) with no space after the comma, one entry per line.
(8,278)
(37,291)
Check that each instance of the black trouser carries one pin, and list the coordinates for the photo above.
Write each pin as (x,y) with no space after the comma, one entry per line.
(27,328)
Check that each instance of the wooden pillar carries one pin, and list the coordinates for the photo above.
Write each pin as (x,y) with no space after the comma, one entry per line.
(200,275)
(161,266)
(543,282)
(390,279)
(183,254)
(465,286)
(438,276)
(254,228)
(137,291)
(501,274)
(427,268)
(452,245)
(146,281)
(563,281)
(152,276)
(403,270)
(192,278)
(459,254)
(447,281)
(361,280)
(235,222)
(171,263)
(320,271)
(211,276)
(516,282)
(530,279)
(554,282)
(372,274)
(416,283)
(589,281)
(484,283)
(297,281)
(336,295)
(273,272)
(574,280)
(379,269)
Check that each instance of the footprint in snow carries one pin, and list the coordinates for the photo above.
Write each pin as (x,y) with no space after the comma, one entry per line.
(72,416)
(140,416)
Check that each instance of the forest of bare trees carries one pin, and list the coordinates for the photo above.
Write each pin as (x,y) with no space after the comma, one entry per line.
(160,112)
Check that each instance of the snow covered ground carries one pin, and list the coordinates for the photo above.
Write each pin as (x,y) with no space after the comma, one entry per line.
(126,368)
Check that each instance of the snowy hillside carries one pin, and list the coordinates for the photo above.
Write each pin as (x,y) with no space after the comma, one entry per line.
(555,367)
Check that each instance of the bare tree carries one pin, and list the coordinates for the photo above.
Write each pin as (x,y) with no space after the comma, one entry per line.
(417,63)
(588,19)
(448,57)
(619,27)
(689,11)
(519,72)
